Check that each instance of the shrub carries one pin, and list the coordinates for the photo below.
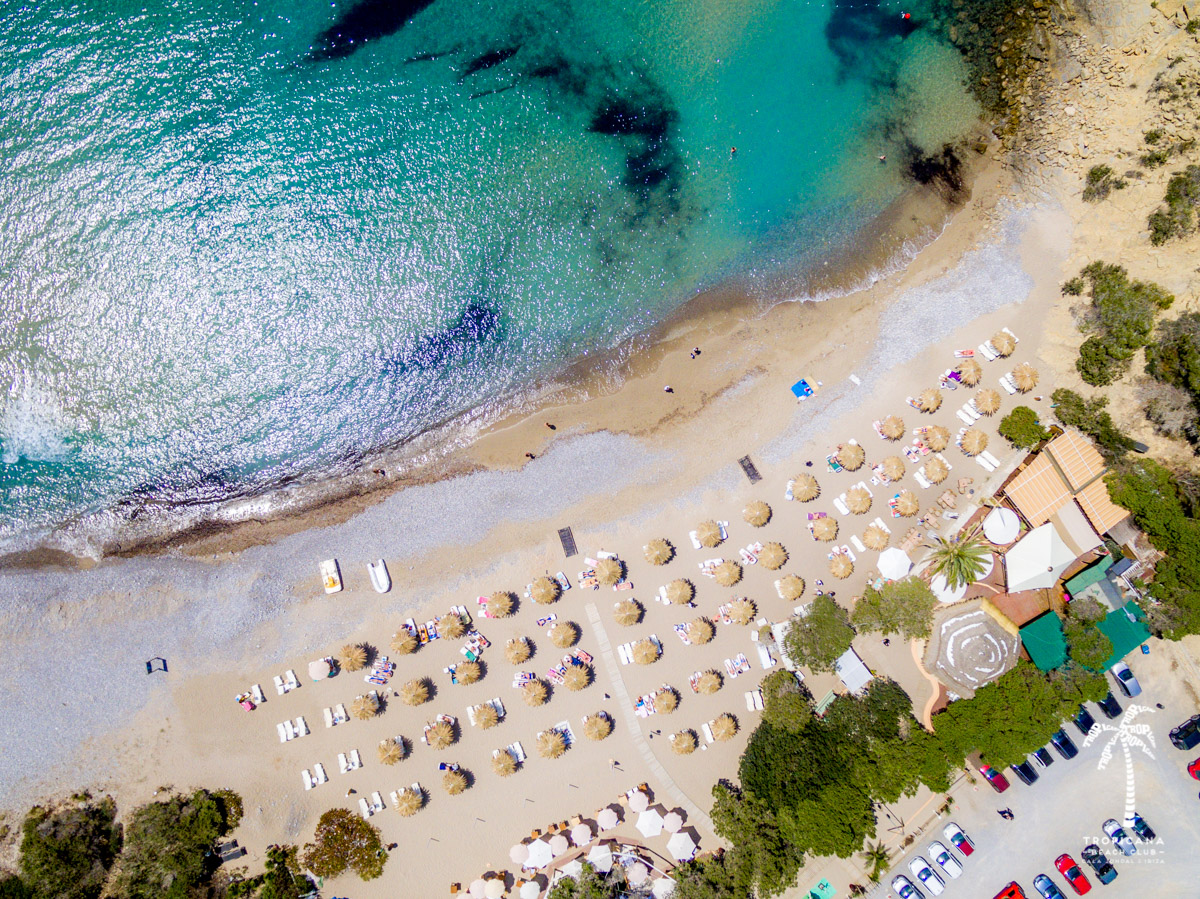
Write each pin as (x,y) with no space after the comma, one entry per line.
(817,639)
(1099,184)
(66,854)
(1152,136)
(1122,319)
(1174,356)
(1155,158)
(1177,217)
(785,704)
(1021,428)
(344,840)
(903,607)
(1074,287)
(1090,417)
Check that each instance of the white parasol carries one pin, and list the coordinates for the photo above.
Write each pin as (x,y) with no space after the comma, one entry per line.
(894,563)
(650,823)
(607,819)
(672,822)
(681,846)
(581,834)
(519,854)
(1001,526)
(540,854)
(639,801)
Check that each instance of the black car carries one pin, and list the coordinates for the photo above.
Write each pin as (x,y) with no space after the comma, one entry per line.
(1143,830)
(1105,872)
(1186,735)
(1109,706)
(1084,721)
(1062,743)
(1025,771)
(1042,757)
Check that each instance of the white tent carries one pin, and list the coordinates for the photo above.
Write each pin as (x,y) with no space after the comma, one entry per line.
(853,673)
(943,592)
(1001,526)
(601,858)
(539,854)
(894,563)
(607,819)
(650,823)
(1037,560)
(681,846)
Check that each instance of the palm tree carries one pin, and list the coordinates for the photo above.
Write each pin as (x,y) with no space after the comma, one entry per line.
(877,856)
(960,560)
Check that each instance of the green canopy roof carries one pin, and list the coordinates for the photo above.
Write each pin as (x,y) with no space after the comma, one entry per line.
(1126,630)
(1093,574)
(1044,641)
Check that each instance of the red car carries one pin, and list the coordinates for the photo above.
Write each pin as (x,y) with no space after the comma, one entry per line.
(1194,769)
(999,782)
(1071,874)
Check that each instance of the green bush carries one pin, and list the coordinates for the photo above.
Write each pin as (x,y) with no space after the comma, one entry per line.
(1091,417)
(1152,136)
(817,639)
(1122,319)
(1099,184)
(1177,218)
(903,607)
(13,888)
(1086,644)
(1021,428)
(67,853)
(785,704)
(1074,287)
(344,840)
(1174,356)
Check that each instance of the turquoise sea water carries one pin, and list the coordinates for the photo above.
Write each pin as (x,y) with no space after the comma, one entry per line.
(238,249)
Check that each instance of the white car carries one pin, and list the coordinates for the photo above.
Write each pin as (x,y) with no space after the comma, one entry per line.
(904,888)
(945,859)
(928,877)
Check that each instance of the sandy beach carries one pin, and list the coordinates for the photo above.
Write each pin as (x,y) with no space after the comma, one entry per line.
(626,461)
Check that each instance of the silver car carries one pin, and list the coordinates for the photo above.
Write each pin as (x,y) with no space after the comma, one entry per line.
(945,859)
(904,888)
(928,877)
(1119,837)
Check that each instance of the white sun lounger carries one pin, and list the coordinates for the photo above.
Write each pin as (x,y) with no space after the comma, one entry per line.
(327,712)
(319,774)
(858,544)
(355,759)
(518,751)
(988,352)
(289,677)
(257,692)
(985,464)
(840,504)
(364,807)
(707,731)
(279,685)
(343,765)
(1007,383)
(764,655)
(624,653)
(879,523)
(788,494)
(302,727)
(339,714)
(1015,338)
(308,779)
(921,479)
(695,540)
(990,458)
(377,801)
(965,417)
(282,731)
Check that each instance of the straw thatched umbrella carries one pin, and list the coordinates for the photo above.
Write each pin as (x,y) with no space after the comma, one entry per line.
(741,611)
(504,764)
(893,427)
(724,727)
(936,471)
(852,456)
(1004,344)
(1025,377)
(486,716)
(701,631)
(414,692)
(455,782)
(969,372)
(930,399)
(680,591)
(709,682)
(841,566)
(598,726)
(441,734)
(667,700)
(467,673)
(550,744)
(937,438)
(791,587)
(609,571)
(825,529)
(352,657)
(451,627)
(858,500)
(728,573)
(576,677)
(773,556)
(409,801)
(364,707)
(805,488)
(517,650)
(564,634)
(684,742)
(893,468)
(709,533)
(544,590)
(659,551)
(757,513)
(987,401)
(404,643)
(645,652)
(534,692)
(907,503)
(500,604)
(390,751)
(974,442)
(876,538)
(627,612)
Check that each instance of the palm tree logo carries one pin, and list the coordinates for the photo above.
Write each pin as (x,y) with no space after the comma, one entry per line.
(1129,734)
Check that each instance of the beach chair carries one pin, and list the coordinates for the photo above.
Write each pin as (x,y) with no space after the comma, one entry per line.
(308,779)
(355,759)
(695,540)
(1015,338)
(723,527)
(377,801)
(283,737)
(1006,382)
(343,765)
(290,679)
(257,692)
(327,714)
(707,731)
(788,494)
(624,652)
(879,523)
(364,807)
(988,351)
(965,417)
(302,727)
(858,544)
(340,716)
(291,730)
(985,464)
(279,686)
(517,751)
(764,655)
(840,504)
(749,702)
(995,462)
(919,475)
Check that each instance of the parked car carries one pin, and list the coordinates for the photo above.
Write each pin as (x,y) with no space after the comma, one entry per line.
(998,781)
(1105,872)
(1109,706)
(1071,874)
(1011,891)
(1139,826)
(903,887)
(1125,680)
(1186,735)
(1042,757)
(1084,721)
(945,859)
(1025,771)
(922,870)
(1046,888)
(1194,769)
(1119,837)
(958,839)
(1062,743)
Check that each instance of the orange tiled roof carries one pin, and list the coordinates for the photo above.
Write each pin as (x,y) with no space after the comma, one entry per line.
(1079,461)
(1101,511)
(1069,467)
(1038,491)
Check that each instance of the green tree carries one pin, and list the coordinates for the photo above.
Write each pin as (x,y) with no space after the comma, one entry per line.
(769,862)
(283,878)
(1021,428)
(67,853)
(590,884)
(785,704)
(818,638)
(710,877)
(1174,356)
(344,840)
(1087,644)
(960,560)
(1121,319)
(1090,417)
(1177,216)
(902,607)
(836,821)
(878,858)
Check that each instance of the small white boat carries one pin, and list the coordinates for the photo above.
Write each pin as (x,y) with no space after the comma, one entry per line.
(380,579)
(331,576)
